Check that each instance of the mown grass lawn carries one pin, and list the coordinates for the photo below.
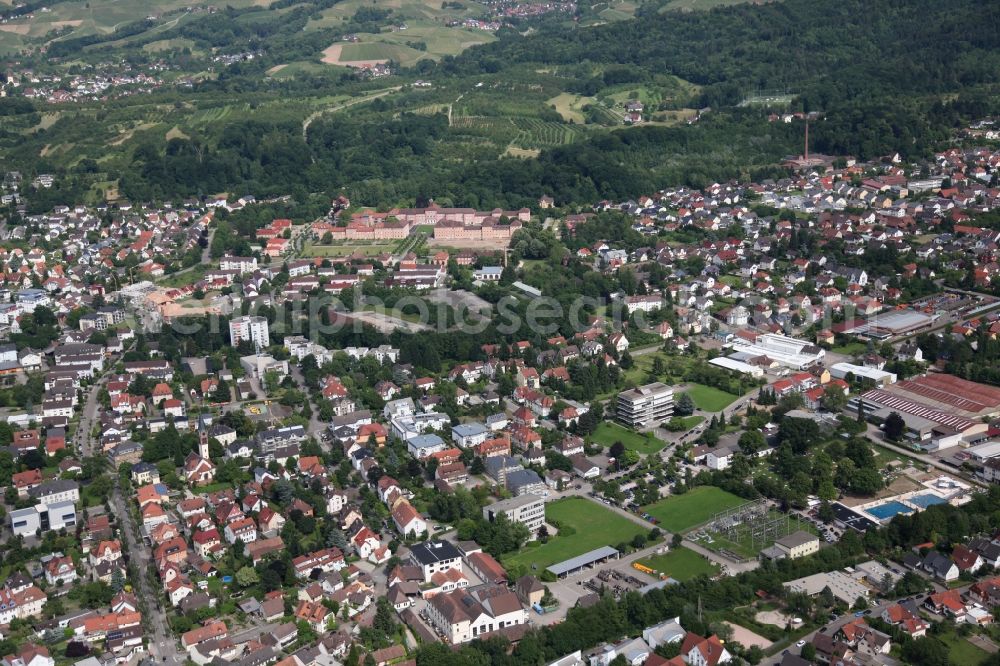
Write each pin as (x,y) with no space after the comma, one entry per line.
(690,421)
(680,564)
(215,487)
(310,249)
(680,513)
(850,349)
(593,526)
(182,278)
(608,433)
(961,651)
(708,398)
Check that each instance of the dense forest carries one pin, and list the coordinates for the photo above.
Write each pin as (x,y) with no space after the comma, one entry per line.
(824,51)
(384,163)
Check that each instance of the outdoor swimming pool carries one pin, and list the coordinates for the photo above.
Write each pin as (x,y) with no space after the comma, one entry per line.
(924,501)
(888,510)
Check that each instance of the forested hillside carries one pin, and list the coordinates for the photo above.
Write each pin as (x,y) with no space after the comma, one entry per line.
(823,51)
(398,160)
(888,75)
(878,69)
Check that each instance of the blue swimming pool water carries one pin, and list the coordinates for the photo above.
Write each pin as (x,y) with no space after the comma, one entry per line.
(924,501)
(888,510)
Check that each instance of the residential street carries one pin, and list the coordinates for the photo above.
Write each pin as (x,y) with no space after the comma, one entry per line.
(162,646)
(88,419)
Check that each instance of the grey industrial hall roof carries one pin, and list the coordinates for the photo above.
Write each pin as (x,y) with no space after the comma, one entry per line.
(574,563)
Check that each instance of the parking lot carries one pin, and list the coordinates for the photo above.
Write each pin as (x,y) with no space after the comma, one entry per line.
(829,533)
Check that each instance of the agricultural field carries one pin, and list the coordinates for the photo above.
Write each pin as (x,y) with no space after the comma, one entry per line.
(591,524)
(666,102)
(536,133)
(680,513)
(377,52)
(608,433)
(607,11)
(10,42)
(213,115)
(521,153)
(78,19)
(175,44)
(517,134)
(768,100)
(698,5)
(680,564)
(708,398)
(425,35)
(602,115)
(570,106)
(663,88)
(616,14)
(440,41)
(430,110)
(298,68)
(499,130)
(410,12)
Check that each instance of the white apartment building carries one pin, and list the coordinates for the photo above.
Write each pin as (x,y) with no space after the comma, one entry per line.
(644,303)
(241,264)
(253,329)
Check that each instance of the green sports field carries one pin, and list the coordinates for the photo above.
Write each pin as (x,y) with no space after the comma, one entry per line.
(594,526)
(680,513)
(680,564)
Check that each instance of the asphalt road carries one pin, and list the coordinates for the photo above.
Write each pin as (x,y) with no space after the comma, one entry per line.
(89,418)
(875,435)
(162,645)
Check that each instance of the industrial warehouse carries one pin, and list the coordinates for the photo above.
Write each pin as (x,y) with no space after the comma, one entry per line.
(940,410)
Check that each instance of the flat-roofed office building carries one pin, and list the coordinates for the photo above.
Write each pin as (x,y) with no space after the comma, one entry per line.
(528,510)
(645,406)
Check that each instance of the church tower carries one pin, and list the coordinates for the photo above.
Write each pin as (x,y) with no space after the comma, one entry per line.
(203,444)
